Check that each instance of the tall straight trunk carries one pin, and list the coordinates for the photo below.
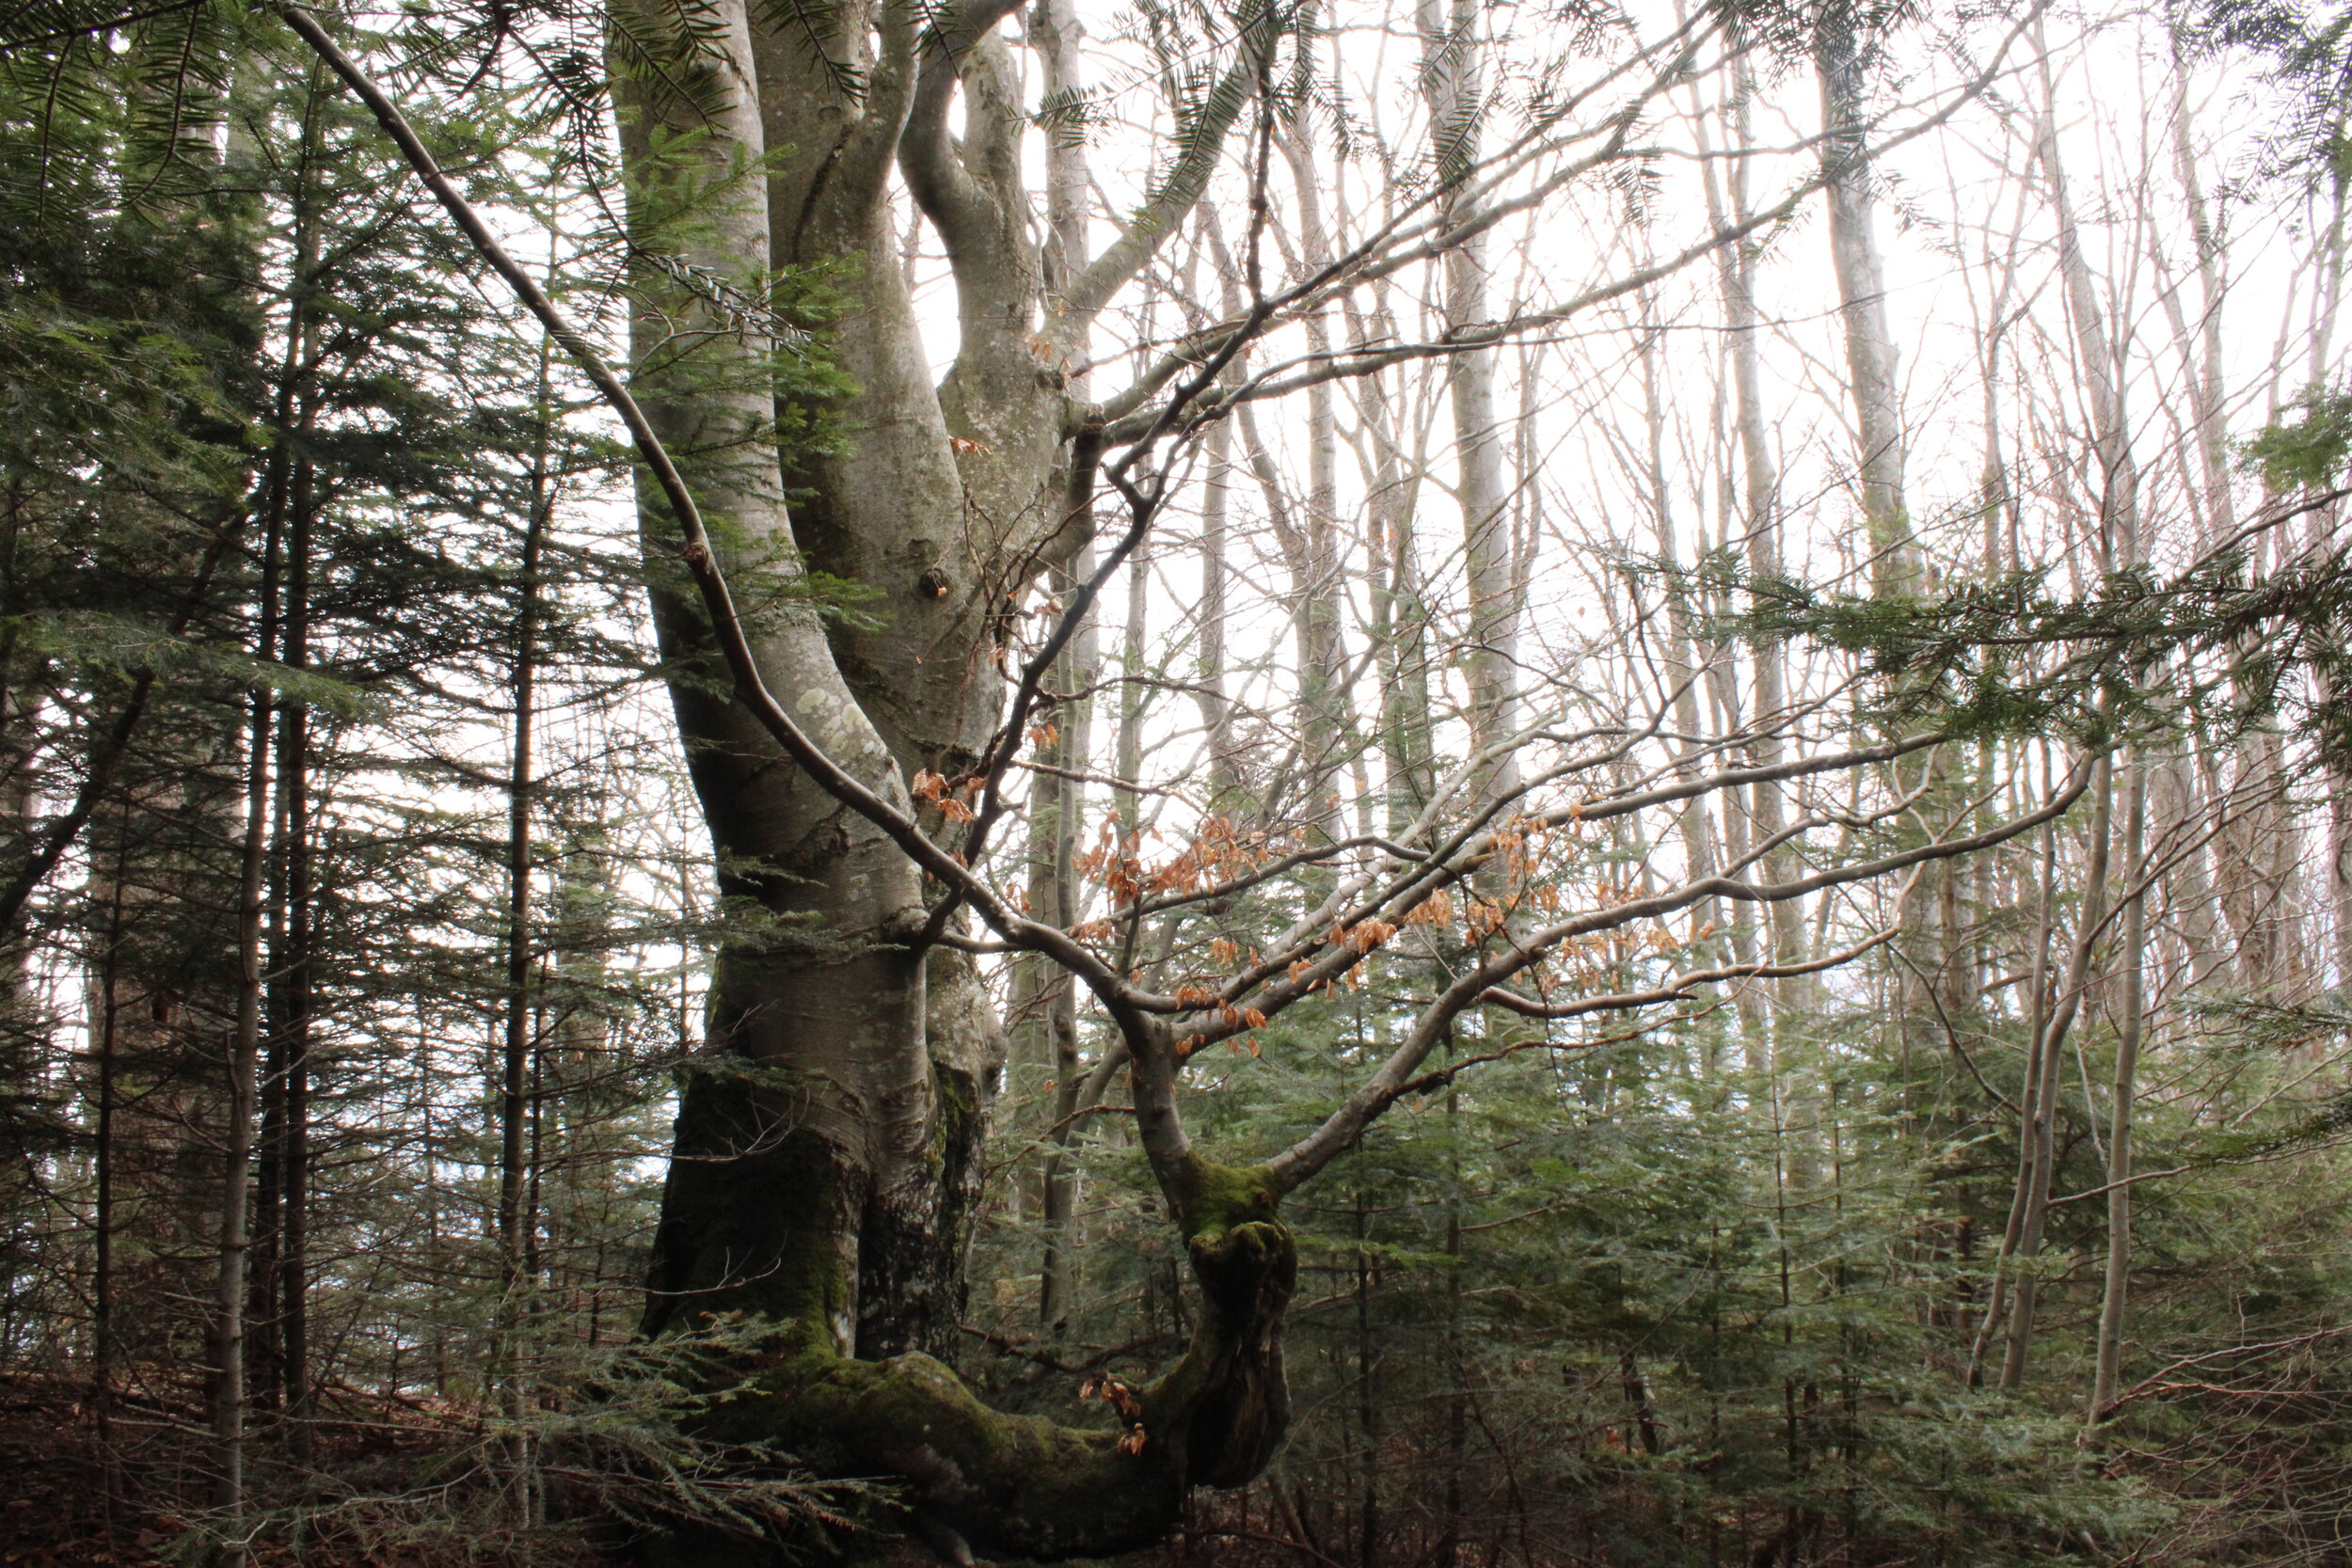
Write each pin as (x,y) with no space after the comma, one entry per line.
(264,1357)
(230,1392)
(249,1217)
(1728,713)
(291,958)
(1456,1362)
(1134,677)
(2029,1096)
(1323,698)
(1058,811)
(1059,802)
(1682,663)
(1452,80)
(105,1336)
(1844,46)
(1399,620)
(2095,348)
(2207,391)
(1759,512)
(516,1105)
(1064,809)
(1842,52)
(2129,1024)
(1367,1401)
(1409,765)
(1215,701)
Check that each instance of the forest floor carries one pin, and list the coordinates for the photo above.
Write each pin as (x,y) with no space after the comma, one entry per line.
(63,1504)
(57,1509)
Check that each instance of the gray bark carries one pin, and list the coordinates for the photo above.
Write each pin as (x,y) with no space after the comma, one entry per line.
(1453,90)
(1841,54)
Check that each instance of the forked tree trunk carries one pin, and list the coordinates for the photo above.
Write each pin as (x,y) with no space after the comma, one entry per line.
(827,1138)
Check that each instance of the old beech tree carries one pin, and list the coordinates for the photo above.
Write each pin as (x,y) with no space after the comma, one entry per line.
(854,770)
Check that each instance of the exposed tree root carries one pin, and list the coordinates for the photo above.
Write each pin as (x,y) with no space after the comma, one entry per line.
(1024,1486)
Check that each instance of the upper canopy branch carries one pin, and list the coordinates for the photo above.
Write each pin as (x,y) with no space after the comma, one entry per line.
(1180,189)
(967,213)
(1416,234)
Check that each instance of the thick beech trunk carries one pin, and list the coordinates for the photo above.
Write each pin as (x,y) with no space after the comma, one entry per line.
(825,1159)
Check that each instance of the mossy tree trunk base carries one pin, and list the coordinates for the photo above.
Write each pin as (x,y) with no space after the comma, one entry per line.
(961,1474)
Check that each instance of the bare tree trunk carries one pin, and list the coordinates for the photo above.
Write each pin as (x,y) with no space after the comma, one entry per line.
(516,1212)
(1454,88)
(2118,480)
(290,958)
(231,1390)
(1060,805)
(1215,701)
(1059,809)
(2127,1042)
(1400,618)
(2029,1096)
(1759,512)
(1841,51)
(1367,1403)
(105,1335)
(2049,1051)
(1316,565)
(1684,666)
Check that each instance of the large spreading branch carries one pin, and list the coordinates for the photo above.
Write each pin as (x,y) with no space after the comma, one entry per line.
(1340,1131)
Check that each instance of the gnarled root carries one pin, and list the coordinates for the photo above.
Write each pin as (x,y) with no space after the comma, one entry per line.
(1023,1486)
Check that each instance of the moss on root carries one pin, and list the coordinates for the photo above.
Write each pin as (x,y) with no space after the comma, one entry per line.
(1020,1486)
